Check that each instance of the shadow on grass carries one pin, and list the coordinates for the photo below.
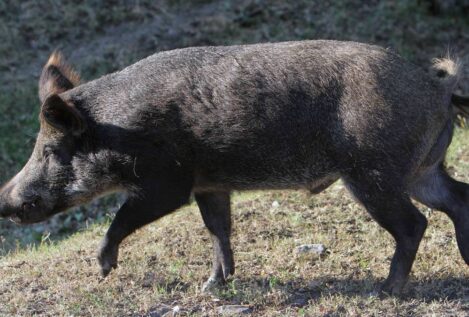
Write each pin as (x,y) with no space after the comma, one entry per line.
(299,292)
(15,237)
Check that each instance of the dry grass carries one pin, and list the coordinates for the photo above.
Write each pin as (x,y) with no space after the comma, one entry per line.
(165,264)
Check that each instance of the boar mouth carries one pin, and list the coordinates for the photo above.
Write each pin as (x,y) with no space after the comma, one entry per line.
(29,213)
(35,212)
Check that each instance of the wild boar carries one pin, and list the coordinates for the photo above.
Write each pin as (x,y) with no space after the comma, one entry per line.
(210,120)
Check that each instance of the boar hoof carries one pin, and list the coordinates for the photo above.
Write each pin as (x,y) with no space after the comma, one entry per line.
(212,284)
(391,289)
(107,268)
(107,260)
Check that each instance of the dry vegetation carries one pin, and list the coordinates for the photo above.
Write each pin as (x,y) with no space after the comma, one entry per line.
(50,269)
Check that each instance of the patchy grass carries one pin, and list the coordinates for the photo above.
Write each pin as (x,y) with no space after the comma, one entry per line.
(49,269)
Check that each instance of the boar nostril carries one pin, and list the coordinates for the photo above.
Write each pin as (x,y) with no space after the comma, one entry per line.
(27,206)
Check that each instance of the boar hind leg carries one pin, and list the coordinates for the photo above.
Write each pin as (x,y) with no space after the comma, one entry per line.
(438,190)
(216,213)
(394,211)
(136,213)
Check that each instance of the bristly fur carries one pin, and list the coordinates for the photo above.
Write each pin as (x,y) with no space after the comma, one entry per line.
(56,77)
(56,59)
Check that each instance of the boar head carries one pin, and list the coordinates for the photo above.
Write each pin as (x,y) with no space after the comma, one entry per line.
(63,170)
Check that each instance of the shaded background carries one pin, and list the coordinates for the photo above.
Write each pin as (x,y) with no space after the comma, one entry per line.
(99,37)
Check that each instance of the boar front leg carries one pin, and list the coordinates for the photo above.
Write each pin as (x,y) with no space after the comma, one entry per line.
(151,204)
(216,213)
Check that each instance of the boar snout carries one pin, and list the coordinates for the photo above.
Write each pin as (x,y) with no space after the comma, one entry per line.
(27,211)
(20,208)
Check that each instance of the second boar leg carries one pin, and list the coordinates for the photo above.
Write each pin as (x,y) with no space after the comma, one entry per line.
(216,213)
(394,212)
(438,190)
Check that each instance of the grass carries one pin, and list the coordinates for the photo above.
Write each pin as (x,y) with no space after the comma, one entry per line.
(50,269)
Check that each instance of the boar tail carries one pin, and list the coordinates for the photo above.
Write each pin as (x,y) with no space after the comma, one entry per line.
(446,70)
(461,104)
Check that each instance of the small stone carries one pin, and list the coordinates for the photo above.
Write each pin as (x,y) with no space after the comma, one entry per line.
(233,310)
(318,249)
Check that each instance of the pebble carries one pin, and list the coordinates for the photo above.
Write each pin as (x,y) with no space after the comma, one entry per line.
(166,311)
(318,249)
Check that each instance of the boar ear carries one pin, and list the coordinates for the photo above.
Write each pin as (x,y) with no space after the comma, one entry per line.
(56,77)
(61,116)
